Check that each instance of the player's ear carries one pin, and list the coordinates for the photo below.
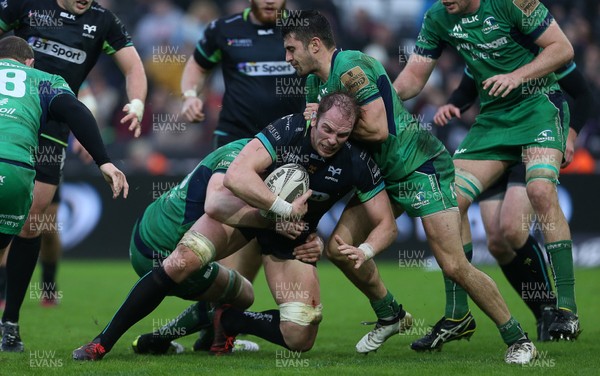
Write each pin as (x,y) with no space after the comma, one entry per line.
(314,45)
(29,62)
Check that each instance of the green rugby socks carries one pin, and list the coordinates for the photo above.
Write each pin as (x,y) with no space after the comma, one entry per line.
(457,304)
(561,260)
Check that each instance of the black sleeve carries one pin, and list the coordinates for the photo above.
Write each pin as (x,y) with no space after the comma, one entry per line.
(465,94)
(577,87)
(67,109)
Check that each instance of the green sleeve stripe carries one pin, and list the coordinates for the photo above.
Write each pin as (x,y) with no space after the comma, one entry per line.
(54,139)
(246,14)
(364,197)
(107,48)
(214,58)
(267,144)
(562,72)
(543,165)
(468,73)
(4,26)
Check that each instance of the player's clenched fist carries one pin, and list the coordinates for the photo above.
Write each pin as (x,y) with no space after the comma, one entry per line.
(192,109)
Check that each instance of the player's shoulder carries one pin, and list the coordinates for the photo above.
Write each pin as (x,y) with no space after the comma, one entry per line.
(230,21)
(437,12)
(288,129)
(291,123)
(99,14)
(98,10)
(354,154)
(351,67)
(352,58)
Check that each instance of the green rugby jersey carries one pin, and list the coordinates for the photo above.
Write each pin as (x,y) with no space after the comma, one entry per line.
(496,39)
(408,145)
(25,96)
(166,220)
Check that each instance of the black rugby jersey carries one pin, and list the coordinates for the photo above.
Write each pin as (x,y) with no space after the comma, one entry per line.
(64,43)
(288,141)
(260,86)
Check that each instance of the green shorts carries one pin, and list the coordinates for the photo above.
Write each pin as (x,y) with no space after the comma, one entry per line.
(541,121)
(144,260)
(427,190)
(16,196)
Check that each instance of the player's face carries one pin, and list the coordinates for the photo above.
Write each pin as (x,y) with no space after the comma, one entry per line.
(460,6)
(331,131)
(298,56)
(75,6)
(267,11)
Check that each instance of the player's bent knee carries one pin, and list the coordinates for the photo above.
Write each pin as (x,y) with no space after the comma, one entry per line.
(200,245)
(299,321)
(238,291)
(297,337)
(467,184)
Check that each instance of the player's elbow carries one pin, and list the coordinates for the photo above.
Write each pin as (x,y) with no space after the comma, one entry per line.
(214,210)
(569,53)
(231,180)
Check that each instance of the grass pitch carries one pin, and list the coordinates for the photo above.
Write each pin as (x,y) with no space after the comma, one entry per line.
(92,292)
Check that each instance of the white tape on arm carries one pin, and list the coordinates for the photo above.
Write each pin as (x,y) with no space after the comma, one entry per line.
(281,207)
(136,107)
(190,93)
(367,250)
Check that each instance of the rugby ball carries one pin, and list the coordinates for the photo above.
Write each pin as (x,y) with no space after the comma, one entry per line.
(289,181)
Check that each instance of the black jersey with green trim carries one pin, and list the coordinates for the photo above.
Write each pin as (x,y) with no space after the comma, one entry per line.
(288,141)
(260,86)
(64,43)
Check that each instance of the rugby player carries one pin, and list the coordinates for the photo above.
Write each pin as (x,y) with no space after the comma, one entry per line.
(418,174)
(512,50)
(259,88)
(29,98)
(67,37)
(506,211)
(294,325)
(320,148)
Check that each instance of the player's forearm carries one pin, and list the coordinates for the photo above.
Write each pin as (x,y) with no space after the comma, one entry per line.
(67,109)
(550,59)
(383,235)
(131,66)
(248,186)
(234,212)
(465,94)
(406,86)
(136,83)
(193,78)
(414,76)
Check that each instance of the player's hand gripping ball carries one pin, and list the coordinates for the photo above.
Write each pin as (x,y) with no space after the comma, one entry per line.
(289,182)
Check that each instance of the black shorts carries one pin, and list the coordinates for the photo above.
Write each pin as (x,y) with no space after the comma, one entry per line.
(279,246)
(514,175)
(56,198)
(50,156)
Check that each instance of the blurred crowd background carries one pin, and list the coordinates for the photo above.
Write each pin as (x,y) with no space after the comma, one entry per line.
(165,33)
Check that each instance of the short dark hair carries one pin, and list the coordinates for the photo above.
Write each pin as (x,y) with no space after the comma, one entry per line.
(347,104)
(307,24)
(15,48)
